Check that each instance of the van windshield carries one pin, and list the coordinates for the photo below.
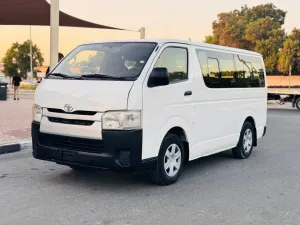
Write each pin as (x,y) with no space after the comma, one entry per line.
(115,61)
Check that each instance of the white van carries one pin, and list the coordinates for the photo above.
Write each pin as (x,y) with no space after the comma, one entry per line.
(149,105)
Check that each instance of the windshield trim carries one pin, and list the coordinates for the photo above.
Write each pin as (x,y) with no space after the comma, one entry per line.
(119,42)
(132,78)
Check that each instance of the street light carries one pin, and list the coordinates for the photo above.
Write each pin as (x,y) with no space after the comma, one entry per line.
(31,70)
(142,31)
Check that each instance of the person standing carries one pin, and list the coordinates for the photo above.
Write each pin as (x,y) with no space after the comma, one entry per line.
(16,86)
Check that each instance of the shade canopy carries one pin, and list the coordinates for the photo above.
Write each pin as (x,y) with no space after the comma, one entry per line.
(37,12)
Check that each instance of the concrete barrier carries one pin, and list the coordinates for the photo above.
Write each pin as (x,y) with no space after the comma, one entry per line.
(15,147)
(283,81)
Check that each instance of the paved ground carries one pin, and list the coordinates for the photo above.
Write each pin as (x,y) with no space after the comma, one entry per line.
(263,190)
(286,106)
(15,119)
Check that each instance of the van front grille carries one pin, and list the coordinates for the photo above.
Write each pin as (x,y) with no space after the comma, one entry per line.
(71,143)
(71,121)
(79,112)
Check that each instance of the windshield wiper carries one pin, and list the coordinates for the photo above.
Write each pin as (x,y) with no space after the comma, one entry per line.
(102,76)
(62,75)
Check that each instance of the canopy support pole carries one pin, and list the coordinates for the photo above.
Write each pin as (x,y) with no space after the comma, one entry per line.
(31,69)
(54,32)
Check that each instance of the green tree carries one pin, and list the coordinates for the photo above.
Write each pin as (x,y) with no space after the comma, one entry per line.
(257,29)
(10,67)
(211,39)
(289,57)
(262,11)
(269,48)
(17,59)
(260,29)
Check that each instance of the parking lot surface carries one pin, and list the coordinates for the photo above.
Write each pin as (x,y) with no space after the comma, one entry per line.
(265,189)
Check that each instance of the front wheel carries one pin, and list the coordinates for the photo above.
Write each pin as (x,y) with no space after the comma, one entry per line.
(245,145)
(170,161)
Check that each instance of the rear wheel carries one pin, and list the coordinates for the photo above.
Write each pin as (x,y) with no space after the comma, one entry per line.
(170,161)
(297,103)
(245,145)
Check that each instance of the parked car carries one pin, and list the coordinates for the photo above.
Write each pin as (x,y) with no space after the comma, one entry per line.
(3,79)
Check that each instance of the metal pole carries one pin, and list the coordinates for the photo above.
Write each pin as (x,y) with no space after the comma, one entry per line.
(31,69)
(290,74)
(142,32)
(54,32)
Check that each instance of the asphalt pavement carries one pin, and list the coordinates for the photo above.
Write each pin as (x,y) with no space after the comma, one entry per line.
(217,190)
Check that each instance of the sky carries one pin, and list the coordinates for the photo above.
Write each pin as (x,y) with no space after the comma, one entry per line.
(162,19)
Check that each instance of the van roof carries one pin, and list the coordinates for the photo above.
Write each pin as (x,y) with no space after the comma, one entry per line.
(200,44)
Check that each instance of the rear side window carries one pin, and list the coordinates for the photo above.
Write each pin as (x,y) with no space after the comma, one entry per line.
(175,59)
(226,70)
(250,72)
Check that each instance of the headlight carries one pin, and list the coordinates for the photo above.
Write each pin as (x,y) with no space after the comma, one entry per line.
(36,113)
(121,120)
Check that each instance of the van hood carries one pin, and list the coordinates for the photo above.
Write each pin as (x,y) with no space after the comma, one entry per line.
(87,95)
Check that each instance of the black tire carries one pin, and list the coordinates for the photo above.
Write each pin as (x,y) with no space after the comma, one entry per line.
(159,175)
(240,152)
(297,103)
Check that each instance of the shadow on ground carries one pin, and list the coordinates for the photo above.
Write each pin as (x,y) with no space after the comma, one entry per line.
(115,181)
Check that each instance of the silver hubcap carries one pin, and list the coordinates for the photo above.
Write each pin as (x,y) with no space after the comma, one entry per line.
(172,160)
(247,140)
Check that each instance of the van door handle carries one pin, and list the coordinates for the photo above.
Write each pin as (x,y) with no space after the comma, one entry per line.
(188,93)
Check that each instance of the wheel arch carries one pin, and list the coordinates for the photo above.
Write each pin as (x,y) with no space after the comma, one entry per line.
(250,116)
(178,126)
(180,132)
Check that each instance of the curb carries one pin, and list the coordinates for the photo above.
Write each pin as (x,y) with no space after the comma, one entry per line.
(15,147)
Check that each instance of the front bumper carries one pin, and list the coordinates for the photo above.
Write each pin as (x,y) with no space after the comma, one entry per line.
(118,151)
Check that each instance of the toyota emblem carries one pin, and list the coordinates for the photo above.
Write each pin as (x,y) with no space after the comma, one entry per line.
(68,108)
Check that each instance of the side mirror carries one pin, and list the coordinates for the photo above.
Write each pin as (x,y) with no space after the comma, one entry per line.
(158,77)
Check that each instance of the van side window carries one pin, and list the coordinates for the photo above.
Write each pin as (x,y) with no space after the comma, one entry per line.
(250,72)
(175,59)
(212,78)
(228,78)
(217,68)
